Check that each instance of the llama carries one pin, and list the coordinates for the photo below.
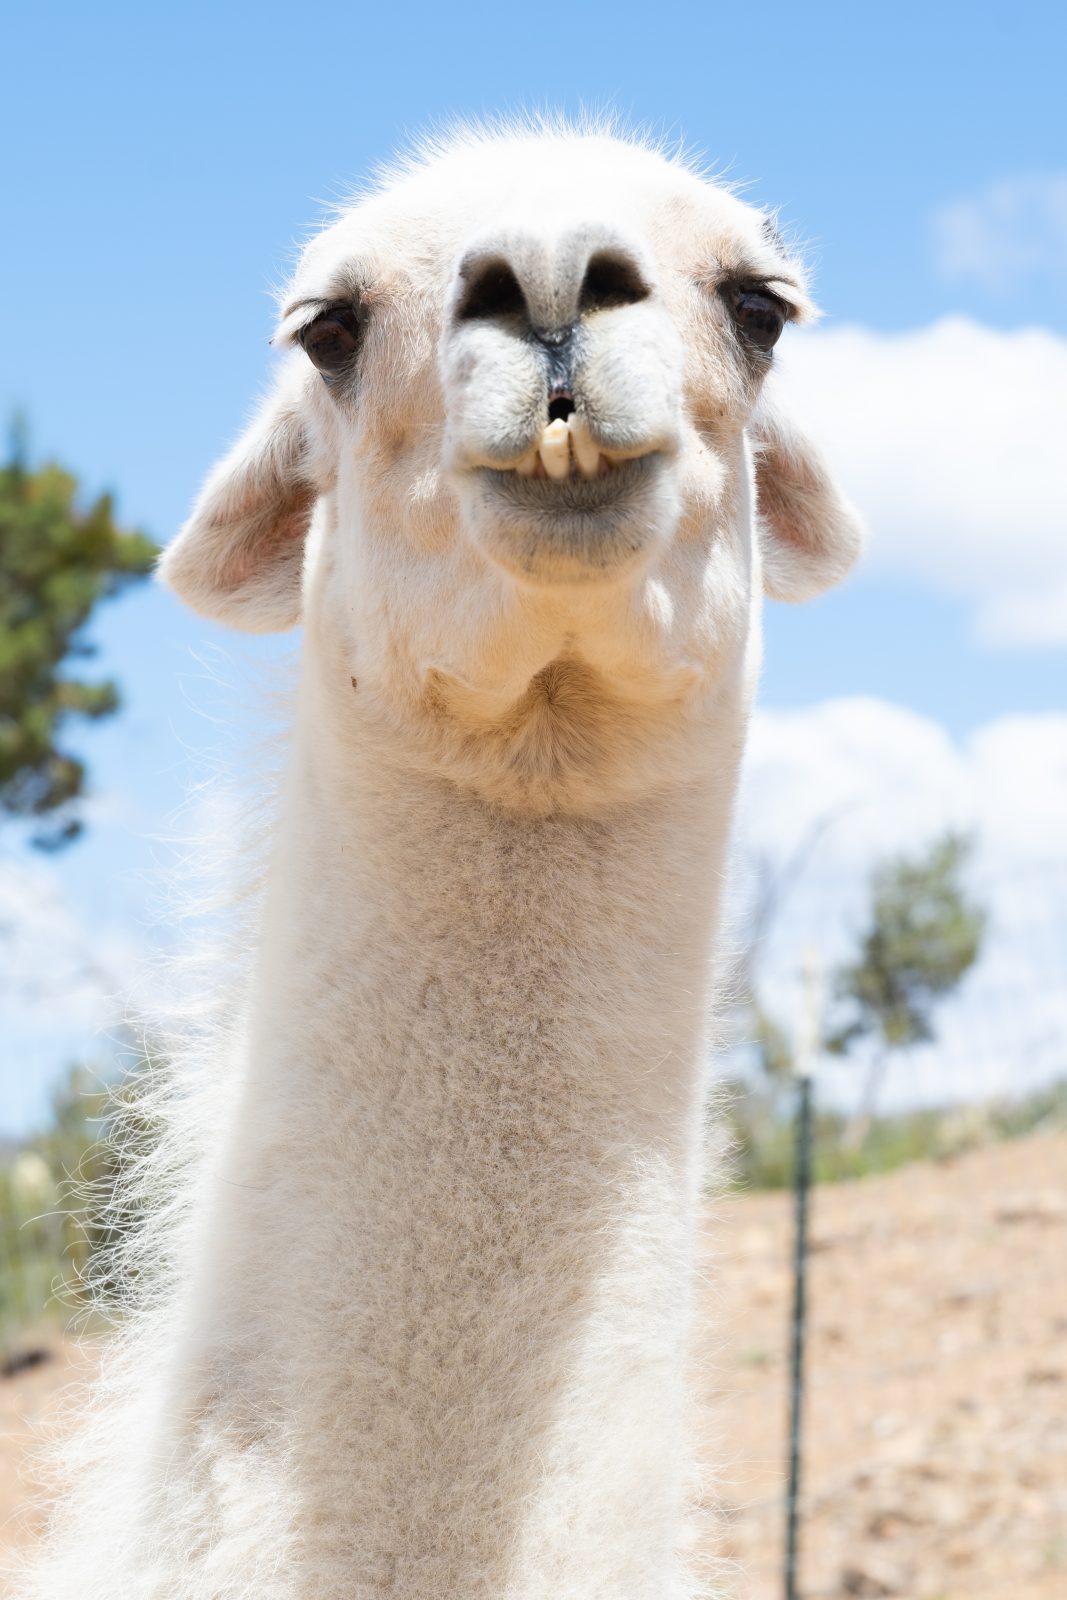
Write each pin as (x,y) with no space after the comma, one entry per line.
(522,483)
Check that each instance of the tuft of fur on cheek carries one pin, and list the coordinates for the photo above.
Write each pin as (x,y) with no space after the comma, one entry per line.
(494,393)
(629,377)
(721,387)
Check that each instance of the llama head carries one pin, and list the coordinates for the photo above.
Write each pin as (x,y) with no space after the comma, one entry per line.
(508,476)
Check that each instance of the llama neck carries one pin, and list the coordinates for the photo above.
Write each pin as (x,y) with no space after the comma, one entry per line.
(464,1169)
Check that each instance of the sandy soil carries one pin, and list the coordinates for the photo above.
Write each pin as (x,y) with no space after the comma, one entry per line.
(936,1420)
(936,1416)
(32,1407)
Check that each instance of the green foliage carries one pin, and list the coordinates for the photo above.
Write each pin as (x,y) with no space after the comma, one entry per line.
(46,1241)
(924,934)
(763,1135)
(59,1216)
(57,563)
(773,1051)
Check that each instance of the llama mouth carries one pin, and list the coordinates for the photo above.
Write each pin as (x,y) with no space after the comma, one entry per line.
(574,529)
(571,511)
(575,495)
(566,450)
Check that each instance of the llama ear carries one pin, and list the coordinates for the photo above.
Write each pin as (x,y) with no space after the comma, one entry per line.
(239,558)
(810,534)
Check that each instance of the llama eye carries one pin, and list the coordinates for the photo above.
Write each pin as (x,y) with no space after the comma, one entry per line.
(331,342)
(760,317)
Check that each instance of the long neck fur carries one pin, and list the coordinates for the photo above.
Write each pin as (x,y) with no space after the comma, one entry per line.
(435,1339)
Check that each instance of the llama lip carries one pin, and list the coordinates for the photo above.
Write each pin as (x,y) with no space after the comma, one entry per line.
(552,493)
(575,529)
(566,449)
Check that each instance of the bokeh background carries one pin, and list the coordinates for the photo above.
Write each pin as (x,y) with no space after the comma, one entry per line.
(901,892)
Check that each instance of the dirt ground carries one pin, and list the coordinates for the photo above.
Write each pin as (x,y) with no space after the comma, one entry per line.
(936,1415)
(936,1419)
(31,1409)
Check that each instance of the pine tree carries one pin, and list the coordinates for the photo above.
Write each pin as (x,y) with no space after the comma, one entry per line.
(57,562)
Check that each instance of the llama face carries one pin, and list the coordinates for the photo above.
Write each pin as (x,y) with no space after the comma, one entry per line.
(522,422)
(562,375)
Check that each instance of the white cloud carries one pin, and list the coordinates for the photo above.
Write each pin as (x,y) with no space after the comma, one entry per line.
(61,984)
(1011,232)
(902,777)
(51,961)
(950,439)
(891,781)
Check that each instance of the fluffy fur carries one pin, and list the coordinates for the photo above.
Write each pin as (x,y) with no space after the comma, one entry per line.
(420,1319)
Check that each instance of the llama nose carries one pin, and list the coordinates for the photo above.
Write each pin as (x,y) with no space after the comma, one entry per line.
(559,348)
(546,290)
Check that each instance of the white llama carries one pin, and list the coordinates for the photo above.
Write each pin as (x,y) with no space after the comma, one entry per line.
(428,1327)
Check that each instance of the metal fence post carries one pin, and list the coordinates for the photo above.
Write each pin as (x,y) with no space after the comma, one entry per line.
(807,1045)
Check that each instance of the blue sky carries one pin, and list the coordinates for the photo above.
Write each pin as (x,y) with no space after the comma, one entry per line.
(164,163)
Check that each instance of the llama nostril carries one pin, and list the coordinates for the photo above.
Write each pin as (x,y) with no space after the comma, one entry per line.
(560,406)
